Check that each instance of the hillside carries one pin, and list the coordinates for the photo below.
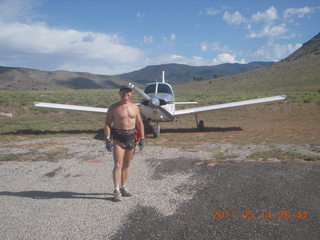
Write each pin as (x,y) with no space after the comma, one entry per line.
(310,47)
(31,79)
(180,73)
(298,75)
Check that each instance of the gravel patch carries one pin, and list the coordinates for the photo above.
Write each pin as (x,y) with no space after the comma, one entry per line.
(63,188)
(70,196)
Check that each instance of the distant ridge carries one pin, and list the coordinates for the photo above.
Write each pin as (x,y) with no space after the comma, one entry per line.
(12,78)
(180,73)
(31,79)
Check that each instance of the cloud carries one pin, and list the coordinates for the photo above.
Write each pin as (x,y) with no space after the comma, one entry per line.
(90,37)
(211,11)
(148,39)
(234,18)
(270,31)
(270,14)
(195,60)
(26,42)
(140,15)
(169,39)
(176,58)
(276,52)
(17,10)
(213,47)
(59,47)
(226,58)
(298,12)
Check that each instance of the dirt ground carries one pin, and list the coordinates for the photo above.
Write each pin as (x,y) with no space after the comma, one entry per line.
(288,123)
(270,131)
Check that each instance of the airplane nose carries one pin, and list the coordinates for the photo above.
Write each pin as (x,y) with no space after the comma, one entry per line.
(154,102)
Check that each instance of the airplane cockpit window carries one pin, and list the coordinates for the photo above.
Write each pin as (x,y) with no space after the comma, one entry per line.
(164,88)
(150,88)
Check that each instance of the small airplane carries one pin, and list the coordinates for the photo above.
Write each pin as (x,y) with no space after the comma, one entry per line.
(158,104)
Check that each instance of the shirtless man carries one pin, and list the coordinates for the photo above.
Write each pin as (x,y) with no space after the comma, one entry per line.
(122,119)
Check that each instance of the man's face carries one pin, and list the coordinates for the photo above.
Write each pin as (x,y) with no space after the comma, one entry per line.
(125,94)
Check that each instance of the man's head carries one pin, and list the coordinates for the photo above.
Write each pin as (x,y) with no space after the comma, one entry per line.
(125,92)
(125,88)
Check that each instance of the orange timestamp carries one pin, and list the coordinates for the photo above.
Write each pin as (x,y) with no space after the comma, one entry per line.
(263,214)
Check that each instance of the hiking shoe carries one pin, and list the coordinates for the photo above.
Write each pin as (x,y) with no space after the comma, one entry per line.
(125,193)
(117,196)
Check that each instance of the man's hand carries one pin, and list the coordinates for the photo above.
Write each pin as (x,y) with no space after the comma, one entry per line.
(109,145)
(141,144)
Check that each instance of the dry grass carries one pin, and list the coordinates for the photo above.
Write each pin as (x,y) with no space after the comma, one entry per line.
(277,123)
(283,123)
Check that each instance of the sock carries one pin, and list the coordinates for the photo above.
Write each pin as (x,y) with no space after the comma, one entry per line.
(117,189)
(123,186)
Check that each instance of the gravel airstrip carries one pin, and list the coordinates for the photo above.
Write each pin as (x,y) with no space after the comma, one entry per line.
(61,188)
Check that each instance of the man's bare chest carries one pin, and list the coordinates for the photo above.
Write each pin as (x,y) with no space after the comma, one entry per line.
(125,113)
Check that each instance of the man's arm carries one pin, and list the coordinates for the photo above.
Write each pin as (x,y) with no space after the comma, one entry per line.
(107,129)
(139,124)
(108,123)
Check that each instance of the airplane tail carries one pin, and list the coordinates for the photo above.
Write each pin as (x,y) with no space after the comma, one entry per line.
(163,76)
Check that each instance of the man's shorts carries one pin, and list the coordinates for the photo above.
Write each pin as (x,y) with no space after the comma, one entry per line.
(126,139)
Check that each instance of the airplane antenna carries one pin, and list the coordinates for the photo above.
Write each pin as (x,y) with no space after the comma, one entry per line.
(163,76)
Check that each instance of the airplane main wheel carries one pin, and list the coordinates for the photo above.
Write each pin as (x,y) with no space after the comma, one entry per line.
(201,125)
(156,131)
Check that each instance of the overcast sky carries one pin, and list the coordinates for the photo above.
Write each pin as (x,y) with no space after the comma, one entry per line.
(111,37)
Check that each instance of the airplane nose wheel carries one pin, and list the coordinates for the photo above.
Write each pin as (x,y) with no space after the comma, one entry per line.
(156,130)
(151,128)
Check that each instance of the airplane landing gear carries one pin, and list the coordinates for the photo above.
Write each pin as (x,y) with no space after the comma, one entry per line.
(156,130)
(200,124)
(150,128)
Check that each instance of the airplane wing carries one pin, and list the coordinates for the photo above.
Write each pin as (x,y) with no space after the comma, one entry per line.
(185,103)
(70,107)
(227,105)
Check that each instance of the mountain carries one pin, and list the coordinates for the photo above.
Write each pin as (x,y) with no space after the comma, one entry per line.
(180,73)
(310,47)
(31,79)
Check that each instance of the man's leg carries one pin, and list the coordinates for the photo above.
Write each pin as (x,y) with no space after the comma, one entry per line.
(118,155)
(128,156)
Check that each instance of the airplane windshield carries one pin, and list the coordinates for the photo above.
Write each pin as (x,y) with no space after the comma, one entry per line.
(164,88)
(150,88)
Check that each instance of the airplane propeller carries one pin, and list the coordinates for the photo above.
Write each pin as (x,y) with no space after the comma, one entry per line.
(154,102)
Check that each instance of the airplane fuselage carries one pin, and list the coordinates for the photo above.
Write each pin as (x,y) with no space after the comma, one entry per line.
(161,95)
